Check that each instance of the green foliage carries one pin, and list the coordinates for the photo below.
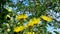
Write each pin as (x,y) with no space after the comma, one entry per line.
(35,7)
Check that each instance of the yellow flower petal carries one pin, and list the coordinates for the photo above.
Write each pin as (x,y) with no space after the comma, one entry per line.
(46,18)
(33,21)
(30,33)
(18,28)
(21,16)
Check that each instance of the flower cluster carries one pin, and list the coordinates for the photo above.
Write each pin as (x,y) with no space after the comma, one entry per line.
(19,25)
(31,22)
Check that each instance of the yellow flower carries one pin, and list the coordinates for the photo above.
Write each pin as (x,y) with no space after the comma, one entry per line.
(30,24)
(18,28)
(21,16)
(30,33)
(33,21)
(46,18)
